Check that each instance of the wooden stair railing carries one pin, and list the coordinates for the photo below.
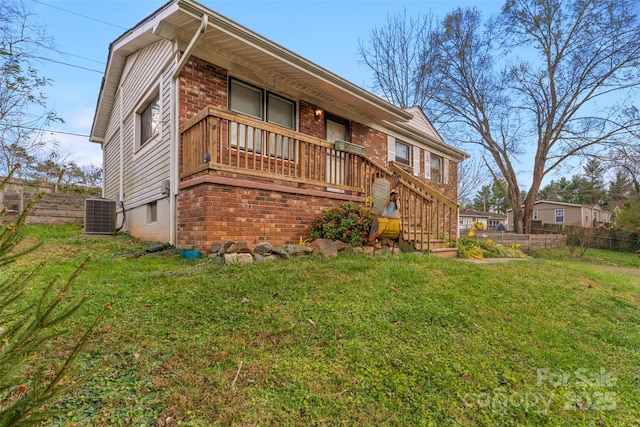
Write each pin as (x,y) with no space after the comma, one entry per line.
(421,208)
(440,223)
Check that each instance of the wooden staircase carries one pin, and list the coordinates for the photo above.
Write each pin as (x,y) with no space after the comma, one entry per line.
(429,220)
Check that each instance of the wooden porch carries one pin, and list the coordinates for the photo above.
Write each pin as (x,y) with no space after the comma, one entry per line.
(226,144)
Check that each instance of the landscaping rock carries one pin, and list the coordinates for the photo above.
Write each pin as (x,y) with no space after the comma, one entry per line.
(263,248)
(236,258)
(215,247)
(298,250)
(324,247)
(264,258)
(341,246)
(225,246)
(244,258)
(280,252)
(217,258)
(244,247)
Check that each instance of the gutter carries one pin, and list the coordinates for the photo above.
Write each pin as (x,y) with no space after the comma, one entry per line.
(174,173)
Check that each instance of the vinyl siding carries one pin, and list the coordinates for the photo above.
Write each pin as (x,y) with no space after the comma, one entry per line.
(144,168)
(112,167)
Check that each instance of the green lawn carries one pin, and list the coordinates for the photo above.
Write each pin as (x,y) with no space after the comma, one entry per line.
(357,340)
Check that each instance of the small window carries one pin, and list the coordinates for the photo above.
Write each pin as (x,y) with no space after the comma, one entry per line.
(436,168)
(403,153)
(559,215)
(150,121)
(152,212)
(535,215)
(281,111)
(245,99)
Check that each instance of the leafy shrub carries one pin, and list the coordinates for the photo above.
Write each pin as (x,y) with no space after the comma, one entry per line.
(477,249)
(349,223)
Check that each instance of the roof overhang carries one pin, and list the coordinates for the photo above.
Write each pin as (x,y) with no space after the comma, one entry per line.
(179,20)
(434,143)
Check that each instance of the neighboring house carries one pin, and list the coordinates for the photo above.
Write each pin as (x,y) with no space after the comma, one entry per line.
(489,220)
(559,213)
(211,132)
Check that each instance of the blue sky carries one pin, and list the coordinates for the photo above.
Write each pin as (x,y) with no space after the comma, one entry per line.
(326,32)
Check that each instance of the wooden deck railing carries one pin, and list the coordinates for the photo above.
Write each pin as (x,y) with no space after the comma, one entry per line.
(219,140)
(226,141)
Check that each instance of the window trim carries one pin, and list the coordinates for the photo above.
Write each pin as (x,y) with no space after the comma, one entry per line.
(561,215)
(409,152)
(436,174)
(152,212)
(264,107)
(283,147)
(153,96)
(248,86)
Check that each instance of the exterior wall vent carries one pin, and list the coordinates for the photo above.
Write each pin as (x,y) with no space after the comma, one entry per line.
(99,216)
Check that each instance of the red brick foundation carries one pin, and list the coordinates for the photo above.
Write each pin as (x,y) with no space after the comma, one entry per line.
(210,213)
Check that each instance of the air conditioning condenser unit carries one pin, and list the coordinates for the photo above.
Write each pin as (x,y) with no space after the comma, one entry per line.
(99,216)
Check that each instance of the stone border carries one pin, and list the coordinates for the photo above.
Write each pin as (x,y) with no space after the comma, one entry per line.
(243,252)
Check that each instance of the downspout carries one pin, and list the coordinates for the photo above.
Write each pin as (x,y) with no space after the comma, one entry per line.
(121,152)
(174,172)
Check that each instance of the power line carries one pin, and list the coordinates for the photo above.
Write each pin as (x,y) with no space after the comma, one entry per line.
(81,57)
(67,64)
(49,130)
(78,14)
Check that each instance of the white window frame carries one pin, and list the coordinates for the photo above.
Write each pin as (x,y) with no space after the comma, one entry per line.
(436,174)
(559,213)
(407,161)
(153,97)
(535,215)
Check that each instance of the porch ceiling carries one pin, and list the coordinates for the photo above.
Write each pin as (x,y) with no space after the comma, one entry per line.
(181,19)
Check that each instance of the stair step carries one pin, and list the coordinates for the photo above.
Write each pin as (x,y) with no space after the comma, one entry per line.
(445,252)
(423,246)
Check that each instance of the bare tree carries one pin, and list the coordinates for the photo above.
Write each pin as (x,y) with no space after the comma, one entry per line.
(472,175)
(24,108)
(626,159)
(570,99)
(401,60)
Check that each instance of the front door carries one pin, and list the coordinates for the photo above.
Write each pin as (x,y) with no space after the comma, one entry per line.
(336,160)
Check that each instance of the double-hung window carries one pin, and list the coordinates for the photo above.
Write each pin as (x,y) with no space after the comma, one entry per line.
(403,153)
(559,215)
(148,118)
(260,104)
(436,168)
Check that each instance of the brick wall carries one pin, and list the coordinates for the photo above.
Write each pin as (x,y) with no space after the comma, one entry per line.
(210,213)
(201,85)
(374,142)
(309,123)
